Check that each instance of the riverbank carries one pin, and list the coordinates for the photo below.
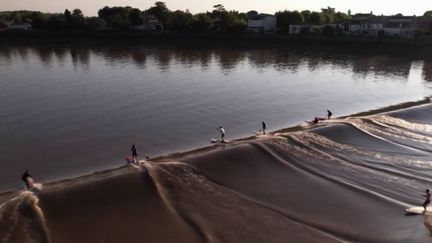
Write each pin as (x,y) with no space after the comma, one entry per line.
(212,38)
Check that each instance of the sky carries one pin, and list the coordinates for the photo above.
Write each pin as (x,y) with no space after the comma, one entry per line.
(90,7)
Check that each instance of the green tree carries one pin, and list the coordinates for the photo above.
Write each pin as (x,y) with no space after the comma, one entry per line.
(428,14)
(306,14)
(201,22)
(3,24)
(135,17)
(116,17)
(317,18)
(119,22)
(77,13)
(342,16)
(328,10)
(67,14)
(329,14)
(227,19)
(74,20)
(219,8)
(16,17)
(179,20)
(56,22)
(243,16)
(93,23)
(287,18)
(238,26)
(160,11)
(39,20)
(252,13)
(296,17)
(329,18)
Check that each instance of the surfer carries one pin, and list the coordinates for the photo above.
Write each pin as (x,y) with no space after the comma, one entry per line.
(427,201)
(329,114)
(264,126)
(28,179)
(315,120)
(134,153)
(222,133)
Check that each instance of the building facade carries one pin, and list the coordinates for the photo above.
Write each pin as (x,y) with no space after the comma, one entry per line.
(262,23)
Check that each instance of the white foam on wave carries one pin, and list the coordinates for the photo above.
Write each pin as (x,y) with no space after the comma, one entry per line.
(16,223)
(391,127)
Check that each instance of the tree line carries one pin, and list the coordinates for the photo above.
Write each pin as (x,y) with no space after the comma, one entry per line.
(125,18)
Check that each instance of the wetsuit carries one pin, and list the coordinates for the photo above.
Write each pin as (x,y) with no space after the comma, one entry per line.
(427,201)
(222,132)
(25,177)
(134,152)
(329,114)
(264,126)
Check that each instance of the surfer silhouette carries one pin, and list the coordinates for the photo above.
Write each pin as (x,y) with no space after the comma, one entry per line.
(427,201)
(134,153)
(28,179)
(222,133)
(329,114)
(264,126)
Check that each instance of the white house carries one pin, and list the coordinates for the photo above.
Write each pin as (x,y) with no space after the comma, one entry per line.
(16,26)
(150,22)
(400,27)
(366,27)
(262,23)
(371,28)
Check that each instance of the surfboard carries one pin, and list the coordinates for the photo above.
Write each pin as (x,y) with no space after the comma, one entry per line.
(418,210)
(131,162)
(310,122)
(214,140)
(37,186)
(33,186)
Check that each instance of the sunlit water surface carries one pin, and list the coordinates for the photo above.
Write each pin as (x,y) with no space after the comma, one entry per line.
(70,110)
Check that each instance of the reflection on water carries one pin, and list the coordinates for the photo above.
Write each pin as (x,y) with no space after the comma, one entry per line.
(73,108)
(427,71)
(227,59)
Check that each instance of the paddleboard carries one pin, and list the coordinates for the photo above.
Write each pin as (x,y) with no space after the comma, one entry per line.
(30,182)
(418,210)
(310,122)
(131,162)
(214,140)
(37,186)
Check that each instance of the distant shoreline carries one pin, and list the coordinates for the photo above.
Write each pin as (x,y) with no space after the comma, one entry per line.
(246,39)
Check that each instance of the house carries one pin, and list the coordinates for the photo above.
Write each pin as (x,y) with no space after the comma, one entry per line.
(262,23)
(363,16)
(400,27)
(354,26)
(366,25)
(150,23)
(19,26)
(372,26)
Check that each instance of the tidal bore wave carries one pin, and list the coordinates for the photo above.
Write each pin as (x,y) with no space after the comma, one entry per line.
(348,180)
